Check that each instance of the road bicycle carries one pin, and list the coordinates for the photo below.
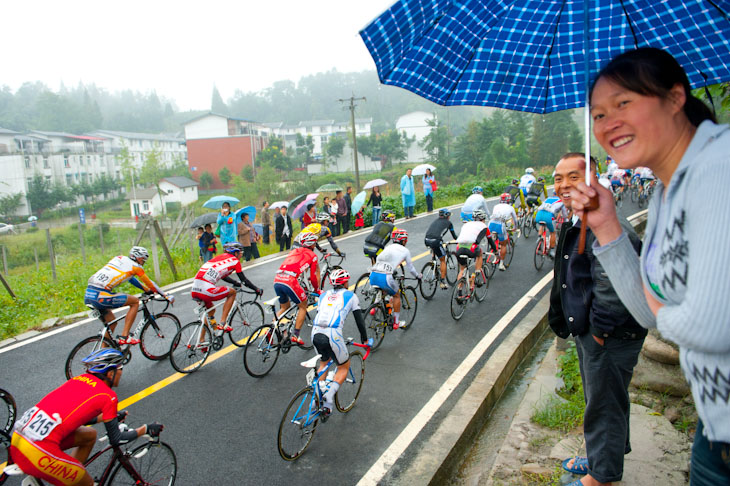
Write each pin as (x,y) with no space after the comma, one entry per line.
(304,412)
(431,272)
(192,344)
(542,249)
(618,195)
(528,221)
(645,192)
(471,285)
(491,260)
(379,314)
(634,189)
(268,340)
(155,332)
(328,268)
(8,410)
(4,455)
(151,463)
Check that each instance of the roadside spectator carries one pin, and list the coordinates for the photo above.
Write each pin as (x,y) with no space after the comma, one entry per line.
(226,224)
(680,283)
(375,199)
(408,194)
(348,203)
(428,189)
(283,229)
(212,240)
(247,237)
(265,221)
(359,221)
(310,216)
(341,215)
(201,244)
(206,240)
(326,206)
(608,339)
(277,212)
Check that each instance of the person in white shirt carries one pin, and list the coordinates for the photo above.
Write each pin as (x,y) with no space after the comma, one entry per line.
(502,213)
(474,202)
(471,234)
(381,274)
(527,179)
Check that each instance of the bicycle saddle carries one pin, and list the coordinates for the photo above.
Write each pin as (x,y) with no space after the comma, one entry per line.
(312,362)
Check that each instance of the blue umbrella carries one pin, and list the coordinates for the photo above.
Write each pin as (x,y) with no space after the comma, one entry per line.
(250,210)
(216,202)
(358,202)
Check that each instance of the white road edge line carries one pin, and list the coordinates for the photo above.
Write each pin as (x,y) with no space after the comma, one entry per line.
(383,464)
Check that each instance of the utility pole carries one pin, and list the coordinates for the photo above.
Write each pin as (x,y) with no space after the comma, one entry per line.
(352,106)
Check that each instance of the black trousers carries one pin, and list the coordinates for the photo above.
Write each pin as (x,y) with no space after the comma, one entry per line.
(266,234)
(284,243)
(606,373)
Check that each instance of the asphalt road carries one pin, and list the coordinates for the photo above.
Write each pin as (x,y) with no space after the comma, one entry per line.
(222,423)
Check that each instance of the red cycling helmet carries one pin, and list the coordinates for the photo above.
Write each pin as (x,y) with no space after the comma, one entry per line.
(505,198)
(399,236)
(339,277)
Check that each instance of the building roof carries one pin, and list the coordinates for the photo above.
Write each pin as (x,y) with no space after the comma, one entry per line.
(273,124)
(67,135)
(139,136)
(146,193)
(210,113)
(311,123)
(7,131)
(180,181)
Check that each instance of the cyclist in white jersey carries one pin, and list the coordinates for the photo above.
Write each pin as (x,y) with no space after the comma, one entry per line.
(502,213)
(475,201)
(332,310)
(527,179)
(471,234)
(381,274)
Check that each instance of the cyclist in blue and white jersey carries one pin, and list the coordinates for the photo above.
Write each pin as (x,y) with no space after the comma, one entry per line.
(474,202)
(547,213)
(527,179)
(332,310)
(381,274)
(502,213)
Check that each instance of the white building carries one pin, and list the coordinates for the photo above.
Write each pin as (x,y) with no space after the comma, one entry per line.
(180,190)
(144,201)
(415,124)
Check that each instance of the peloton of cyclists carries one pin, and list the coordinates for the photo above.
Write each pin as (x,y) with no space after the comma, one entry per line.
(321,230)
(502,213)
(434,240)
(379,236)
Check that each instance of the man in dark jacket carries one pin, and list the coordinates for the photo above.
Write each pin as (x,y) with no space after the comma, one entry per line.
(608,339)
(348,203)
(265,221)
(283,229)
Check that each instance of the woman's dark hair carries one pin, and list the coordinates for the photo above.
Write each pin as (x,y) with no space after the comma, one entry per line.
(650,71)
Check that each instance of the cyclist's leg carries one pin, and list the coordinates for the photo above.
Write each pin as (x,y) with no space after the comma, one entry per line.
(49,462)
(442,267)
(133,303)
(230,299)
(83,441)
(300,316)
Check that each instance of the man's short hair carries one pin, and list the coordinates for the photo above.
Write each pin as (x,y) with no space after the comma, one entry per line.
(337,193)
(581,155)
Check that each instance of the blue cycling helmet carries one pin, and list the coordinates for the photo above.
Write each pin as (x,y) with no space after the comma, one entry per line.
(233,247)
(104,360)
(444,213)
(477,189)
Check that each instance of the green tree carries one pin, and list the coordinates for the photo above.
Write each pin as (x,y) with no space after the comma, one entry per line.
(10,203)
(153,171)
(335,146)
(224,175)
(273,156)
(104,185)
(247,173)
(206,180)
(216,103)
(129,172)
(436,142)
(43,195)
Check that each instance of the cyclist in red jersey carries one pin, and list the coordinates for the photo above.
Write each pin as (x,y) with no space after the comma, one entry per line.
(291,276)
(214,270)
(59,422)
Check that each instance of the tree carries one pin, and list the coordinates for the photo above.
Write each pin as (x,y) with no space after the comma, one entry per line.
(129,171)
(436,142)
(43,195)
(246,173)
(104,185)
(216,103)
(206,180)
(10,203)
(153,171)
(335,146)
(224,175)
(273,156)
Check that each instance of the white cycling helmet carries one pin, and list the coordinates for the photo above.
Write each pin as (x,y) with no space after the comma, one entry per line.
(139,252)
(529,170)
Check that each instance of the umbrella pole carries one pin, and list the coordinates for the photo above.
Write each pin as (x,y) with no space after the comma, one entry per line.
(587,122)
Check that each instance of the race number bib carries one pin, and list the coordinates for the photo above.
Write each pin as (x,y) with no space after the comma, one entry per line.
(212,275)
(383,267)
(36,425)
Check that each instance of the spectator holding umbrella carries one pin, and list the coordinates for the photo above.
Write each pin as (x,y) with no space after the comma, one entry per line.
(248,237)
(326,206)
(375,199)
(283,229)
(428,189)
(226,224)
(408,194)
(310,216)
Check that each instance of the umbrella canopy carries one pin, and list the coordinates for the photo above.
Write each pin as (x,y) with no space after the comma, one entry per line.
(329,188)
(279,204)
(208,218)
(301,207)
(529,55)
(358,202)
(250,210)
(374,183)
(295,202)
(216,202)
(421,169)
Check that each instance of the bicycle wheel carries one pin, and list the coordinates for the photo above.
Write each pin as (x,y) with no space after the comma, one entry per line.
(459,298)
(364,291)
(375,322)
(154,462)
(429,282)
(74,366)
(298,424)
(245,318)
(191,347)
(489,264)
(481,285)
(348,392)
(261,351)
(8,411)
(641,200)
(527,225)
(539,253)
(4,454)
(452,268)
(408,306)
(156,337)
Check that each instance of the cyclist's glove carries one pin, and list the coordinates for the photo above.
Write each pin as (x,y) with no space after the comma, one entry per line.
(370,342)
(420,276)
(259,292)
(237,285)
(170,298)
(121,415)
(154,429)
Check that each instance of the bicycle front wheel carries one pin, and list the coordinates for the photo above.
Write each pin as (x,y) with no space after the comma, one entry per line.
(364,291)
(244,319)
(408,306)
(151,463)
(429,282)
(459,298)
(4,454)
(191,347)
(8,411)
(452,268)
(375,322)
(510,251)
(156,336)
(527,225)
(348,392)
(481,285)
(298,424)
(540,253)
(74,366)
(261,351)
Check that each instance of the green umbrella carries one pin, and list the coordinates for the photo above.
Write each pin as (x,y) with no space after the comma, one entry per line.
(329,188)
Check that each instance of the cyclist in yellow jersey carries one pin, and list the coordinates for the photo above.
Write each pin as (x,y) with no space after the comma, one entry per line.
(322,230)
(518,198)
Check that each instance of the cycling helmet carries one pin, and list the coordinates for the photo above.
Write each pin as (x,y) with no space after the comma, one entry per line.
(104,360)
(322,217)
(139,252)
(339,276)
(232,247)
(505,198)
(479,215)
(399,236)
(477,189)
(308,240)
(529,170)
(444,213)
(389,217)
(541,179)
(515,182)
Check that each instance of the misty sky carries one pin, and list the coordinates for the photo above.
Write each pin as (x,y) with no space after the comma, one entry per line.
(182,48)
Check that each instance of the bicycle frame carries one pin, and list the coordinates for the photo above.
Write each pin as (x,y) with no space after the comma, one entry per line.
(146,316)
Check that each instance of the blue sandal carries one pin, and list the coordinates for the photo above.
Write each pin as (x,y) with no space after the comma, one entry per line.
(580,465)
(576,483)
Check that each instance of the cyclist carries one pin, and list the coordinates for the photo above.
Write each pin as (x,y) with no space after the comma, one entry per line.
(646,177)
(471,234)
(291,284)
(59,422)
(434,240)
(515,193)
(322,230)
(527,180)
(119,270)
(502,213)
(379,236)
(547,213)
(619,179)
(332,310)
(473,202)
(537,192)
(381,275)
(213,271)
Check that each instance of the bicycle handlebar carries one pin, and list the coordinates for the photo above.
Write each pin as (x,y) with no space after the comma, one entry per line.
(364,346)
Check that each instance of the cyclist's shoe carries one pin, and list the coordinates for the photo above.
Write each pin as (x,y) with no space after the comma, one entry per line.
(444,285)
(204,349)
(396,325)
(224,328)
(297,340)
(400,325)
(552,253)
(127,340)
(325,414)
(502,267)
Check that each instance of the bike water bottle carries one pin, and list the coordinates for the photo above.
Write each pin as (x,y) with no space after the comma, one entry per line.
(330,376)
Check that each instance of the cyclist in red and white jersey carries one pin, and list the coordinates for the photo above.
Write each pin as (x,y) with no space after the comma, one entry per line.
(121,269)
(298,274)
(219,268)
(502,213)
(60,422)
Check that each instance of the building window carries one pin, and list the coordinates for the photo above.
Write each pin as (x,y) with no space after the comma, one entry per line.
(69,179)
(27,162)
(88,160)
(146,205)
(65,161)
(45,162)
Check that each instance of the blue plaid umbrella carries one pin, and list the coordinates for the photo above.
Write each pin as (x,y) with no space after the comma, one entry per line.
(528,55)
